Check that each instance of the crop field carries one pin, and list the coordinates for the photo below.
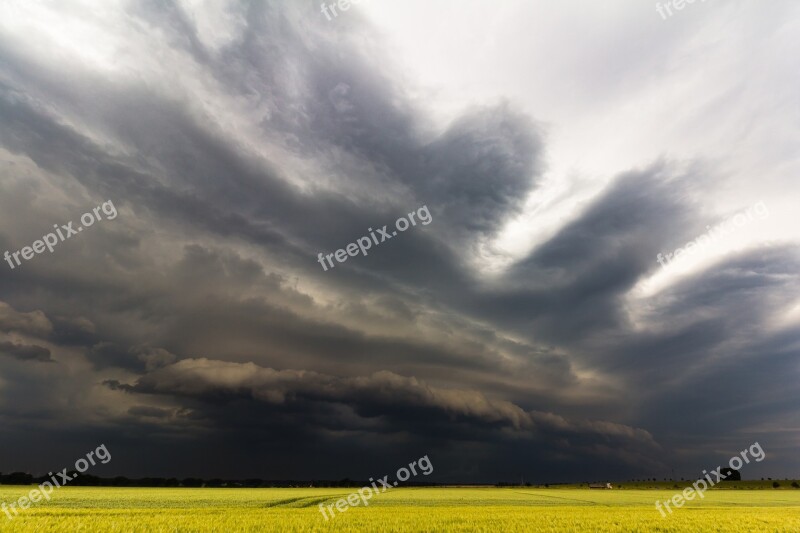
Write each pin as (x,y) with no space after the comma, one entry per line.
(401,509)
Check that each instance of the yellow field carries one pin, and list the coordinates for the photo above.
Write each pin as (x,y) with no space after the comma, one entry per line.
(402,509)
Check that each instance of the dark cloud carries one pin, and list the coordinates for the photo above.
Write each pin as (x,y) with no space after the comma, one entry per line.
(33,323)
(149,412)
(25,352)
(479,171)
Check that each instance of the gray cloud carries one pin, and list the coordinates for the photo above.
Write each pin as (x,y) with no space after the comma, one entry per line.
(205,377)
(25,352)
(33,323)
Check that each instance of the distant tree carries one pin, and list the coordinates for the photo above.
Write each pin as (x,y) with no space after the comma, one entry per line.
(730,474)
(86,480)
(795,485)
(17,478)
(150,482)
(192,482)
(775,484)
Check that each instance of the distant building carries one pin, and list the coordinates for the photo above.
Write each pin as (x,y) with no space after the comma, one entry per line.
(600,486)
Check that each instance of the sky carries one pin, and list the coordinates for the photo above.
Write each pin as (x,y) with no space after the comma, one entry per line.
(599,277)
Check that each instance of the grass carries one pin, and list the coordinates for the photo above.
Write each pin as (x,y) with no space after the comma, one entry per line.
(402,509)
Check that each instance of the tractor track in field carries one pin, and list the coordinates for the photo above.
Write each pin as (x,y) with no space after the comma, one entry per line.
(591,502)
(302,502)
